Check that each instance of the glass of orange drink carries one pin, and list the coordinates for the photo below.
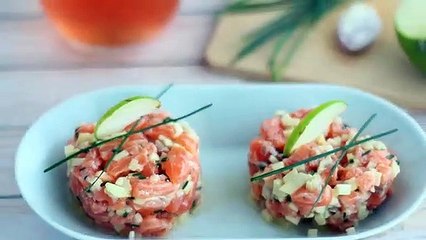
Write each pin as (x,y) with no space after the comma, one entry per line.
(110,22)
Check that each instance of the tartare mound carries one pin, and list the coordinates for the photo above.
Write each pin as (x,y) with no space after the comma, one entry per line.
(362,182)
(151,182)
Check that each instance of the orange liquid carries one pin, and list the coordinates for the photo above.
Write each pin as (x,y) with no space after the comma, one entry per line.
(110,22)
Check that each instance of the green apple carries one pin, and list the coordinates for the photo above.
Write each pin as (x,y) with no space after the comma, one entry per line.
(410,26)
(124,113)
(315,123)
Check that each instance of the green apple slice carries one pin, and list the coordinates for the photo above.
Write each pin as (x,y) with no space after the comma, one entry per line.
(315,123)
(124,113)
(410,26)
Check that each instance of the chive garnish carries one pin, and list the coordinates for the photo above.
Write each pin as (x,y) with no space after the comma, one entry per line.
(289,29)
(79,200)
(240,6)
(262,166)
(138,175)
(351,161)
(316,157)
(366,153)
(166,121)
(166,89)
(76,132)
(342,155)
(125,214)
(185,184)
(193,206)
(390,156)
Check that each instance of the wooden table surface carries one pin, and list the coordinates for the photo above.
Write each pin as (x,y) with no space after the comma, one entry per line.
(38,69)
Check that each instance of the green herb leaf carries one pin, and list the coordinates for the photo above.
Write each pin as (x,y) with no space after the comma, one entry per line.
(279,44)
(390,156)
(245,6)
(300,13)
(277,68)
(138,175)
(366,153)
(258,37)
(185,184)
(165,90)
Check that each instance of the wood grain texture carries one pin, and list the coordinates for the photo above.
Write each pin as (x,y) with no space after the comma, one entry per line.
(383,69)
(34,44)
(29,40)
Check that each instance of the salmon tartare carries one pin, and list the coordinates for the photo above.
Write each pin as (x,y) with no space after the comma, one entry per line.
(362,181)
(153,180)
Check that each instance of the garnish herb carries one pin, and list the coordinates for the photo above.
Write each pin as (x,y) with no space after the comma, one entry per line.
(166,121)
(342,155)
(390,156)
(76,132)
(351,161)
(262,166)
(316,157)
(193,206)
(125,214)
(79,201)
(366,153)
(185,184)
(138,175)
(166,89)
(289,28)
(241,6)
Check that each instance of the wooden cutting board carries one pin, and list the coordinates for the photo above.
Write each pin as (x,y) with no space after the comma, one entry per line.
(383,69)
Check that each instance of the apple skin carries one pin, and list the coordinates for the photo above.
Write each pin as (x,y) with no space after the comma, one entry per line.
(313,124)
(124,113)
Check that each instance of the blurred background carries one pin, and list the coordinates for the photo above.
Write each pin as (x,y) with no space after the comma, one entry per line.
(378,46)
